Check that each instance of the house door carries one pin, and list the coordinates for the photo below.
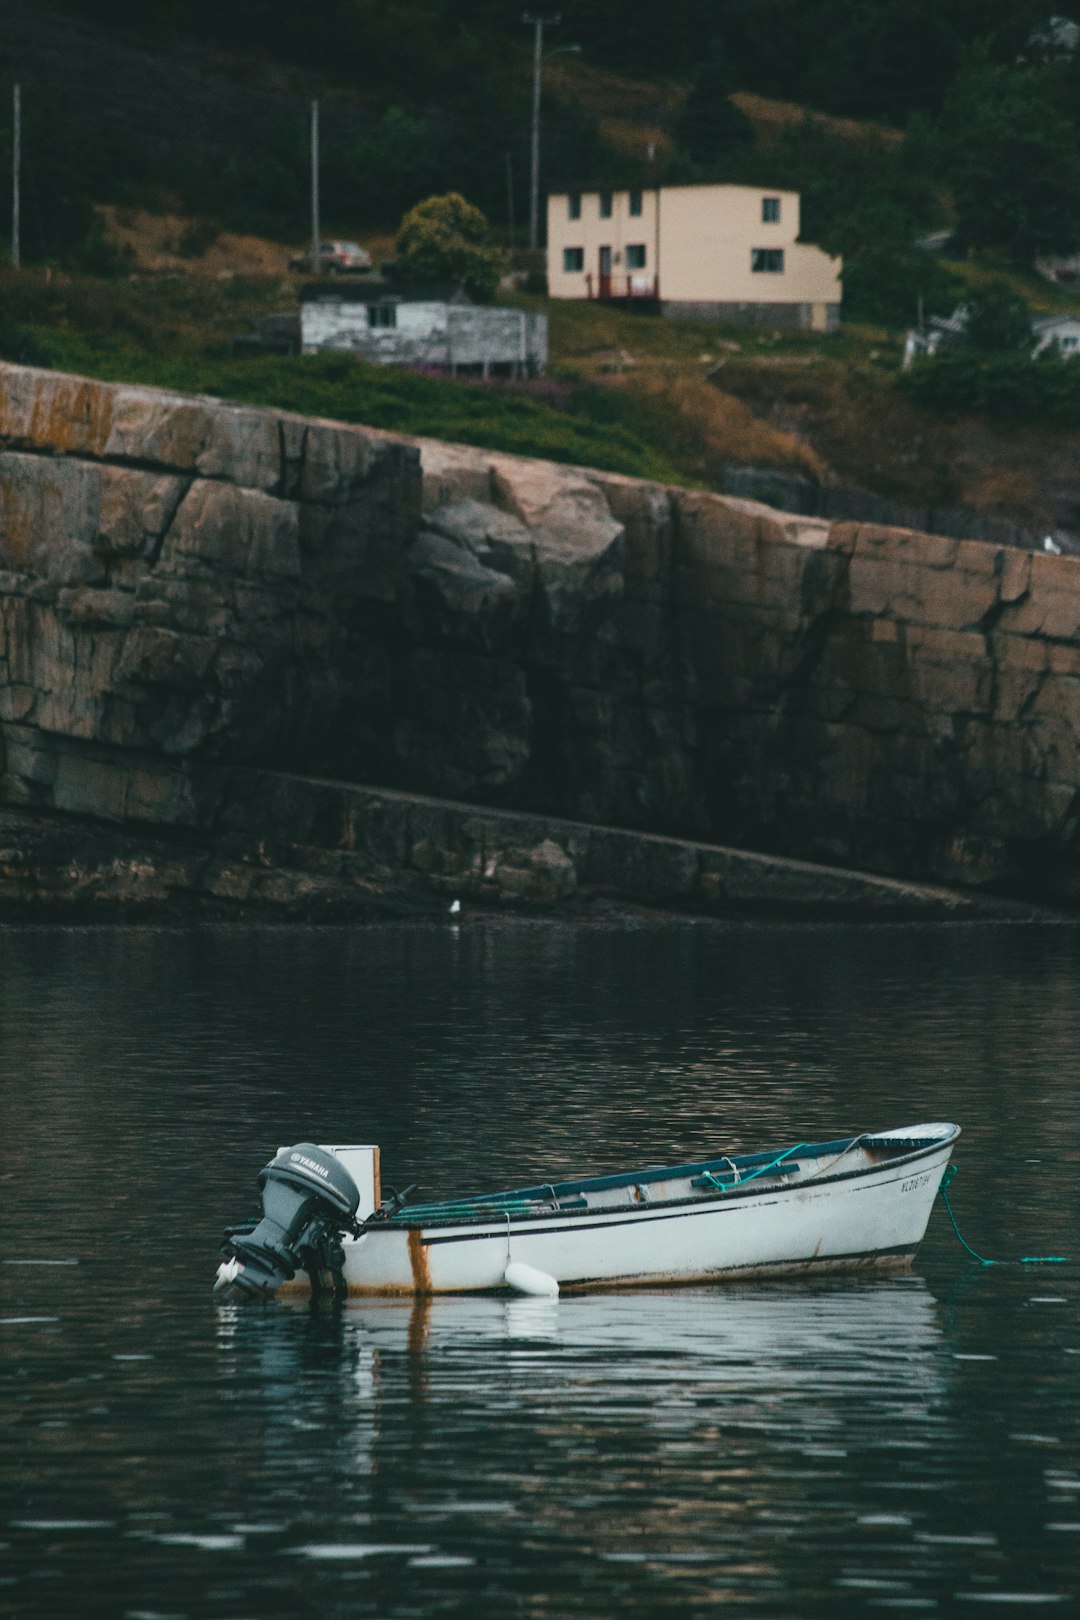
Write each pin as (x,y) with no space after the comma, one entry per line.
(605,272)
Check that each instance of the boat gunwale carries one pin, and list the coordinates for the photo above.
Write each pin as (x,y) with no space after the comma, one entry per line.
(497,1220)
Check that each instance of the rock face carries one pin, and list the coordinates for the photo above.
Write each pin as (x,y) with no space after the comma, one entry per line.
(190,592)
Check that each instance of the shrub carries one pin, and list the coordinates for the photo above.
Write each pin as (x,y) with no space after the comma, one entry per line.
(447,239)
(1009,386)
(17,344)
(198,238)
(891,284)
(998,319)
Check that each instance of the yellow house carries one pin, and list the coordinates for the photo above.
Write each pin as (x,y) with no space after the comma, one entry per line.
(713,253)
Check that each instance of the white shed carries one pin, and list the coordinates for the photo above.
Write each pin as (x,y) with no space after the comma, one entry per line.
(436,325)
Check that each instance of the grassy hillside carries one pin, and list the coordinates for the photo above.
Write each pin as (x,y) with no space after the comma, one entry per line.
(634,394)
(176,331)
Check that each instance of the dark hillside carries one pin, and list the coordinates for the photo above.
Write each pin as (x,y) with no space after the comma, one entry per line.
(866,58)
(161,117)
(183,104)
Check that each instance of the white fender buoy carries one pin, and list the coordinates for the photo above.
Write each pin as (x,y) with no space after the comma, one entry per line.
(528,1280)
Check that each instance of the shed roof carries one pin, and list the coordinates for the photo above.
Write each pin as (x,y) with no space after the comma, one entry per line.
(379,290)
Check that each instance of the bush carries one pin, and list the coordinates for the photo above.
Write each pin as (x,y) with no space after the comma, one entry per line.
(998,319)
(17,344)
(1007,386)
(198,238)
(1011,156)
(891,284)
(96,255)
(447,239)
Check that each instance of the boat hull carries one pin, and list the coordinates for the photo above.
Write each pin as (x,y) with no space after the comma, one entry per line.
(872,1217)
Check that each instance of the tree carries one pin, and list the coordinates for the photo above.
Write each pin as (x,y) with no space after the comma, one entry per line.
(447,239)
(1013,161)
(891,283)
(882,61)
(998,319)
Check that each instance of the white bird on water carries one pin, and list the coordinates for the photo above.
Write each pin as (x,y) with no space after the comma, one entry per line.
(455,908)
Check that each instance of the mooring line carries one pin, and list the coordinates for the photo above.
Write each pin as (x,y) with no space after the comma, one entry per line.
(1025,1259)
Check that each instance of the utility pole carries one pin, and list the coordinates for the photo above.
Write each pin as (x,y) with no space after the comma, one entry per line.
(537,24)
(315,234)
(16,172)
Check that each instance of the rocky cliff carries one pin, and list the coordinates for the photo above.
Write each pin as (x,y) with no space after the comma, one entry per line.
(192,593)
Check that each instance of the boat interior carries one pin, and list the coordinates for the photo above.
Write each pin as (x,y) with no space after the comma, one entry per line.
(663,1184)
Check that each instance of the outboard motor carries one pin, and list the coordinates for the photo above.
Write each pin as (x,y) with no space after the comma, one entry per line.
(309,1199)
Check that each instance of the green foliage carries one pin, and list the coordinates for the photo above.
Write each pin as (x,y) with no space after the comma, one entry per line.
(889,283)
(867,58)
(413,103)
(175,333)
(447,239)
(96,254)
(998,319)
(1012,158)
(17,344)
(1007,386)
(883,60)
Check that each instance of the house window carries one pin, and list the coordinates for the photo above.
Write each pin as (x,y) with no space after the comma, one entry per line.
(770,259)
(635,255)
(382,315)
(572,259)
(573,205)
(770,210)
(635,202)
(605,205)
(1066,344)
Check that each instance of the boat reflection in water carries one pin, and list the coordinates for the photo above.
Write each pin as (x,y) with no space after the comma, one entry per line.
(790,1340)
(698,1434)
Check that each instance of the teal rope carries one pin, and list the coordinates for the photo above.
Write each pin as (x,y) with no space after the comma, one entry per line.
(1025,1260)
(501,1207)
(763,1169)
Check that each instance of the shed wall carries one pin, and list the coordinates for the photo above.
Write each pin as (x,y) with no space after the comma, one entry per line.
(442,335)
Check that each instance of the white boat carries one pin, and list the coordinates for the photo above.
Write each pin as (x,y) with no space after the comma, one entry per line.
(842,1205)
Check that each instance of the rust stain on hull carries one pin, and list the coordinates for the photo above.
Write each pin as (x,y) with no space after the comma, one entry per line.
(418,1260)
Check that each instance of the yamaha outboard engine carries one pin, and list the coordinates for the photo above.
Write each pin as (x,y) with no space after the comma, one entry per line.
(309,1199)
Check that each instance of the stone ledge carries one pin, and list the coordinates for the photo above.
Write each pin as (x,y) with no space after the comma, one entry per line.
(358,854)
(508,859)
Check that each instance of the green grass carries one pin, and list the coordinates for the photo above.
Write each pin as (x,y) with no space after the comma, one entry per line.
(583,333)
(174,333)
(1043,297)
(348,390)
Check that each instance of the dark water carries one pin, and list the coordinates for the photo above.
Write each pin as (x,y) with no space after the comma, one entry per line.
(786,1450)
